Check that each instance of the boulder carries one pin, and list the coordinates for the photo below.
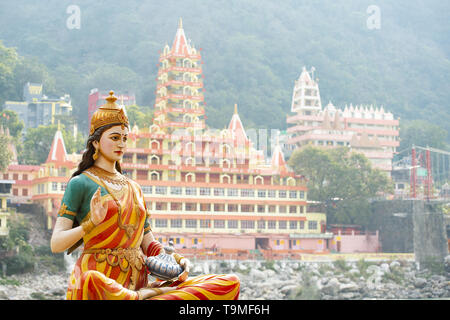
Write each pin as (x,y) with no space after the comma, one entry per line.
(385,267)
(420,283)
(3,295)
(258,274)
(332,287)
(348,287)
(347,295)
(372,269)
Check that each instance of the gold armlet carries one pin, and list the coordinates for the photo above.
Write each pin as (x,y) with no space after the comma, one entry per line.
(87,226)
(177,257)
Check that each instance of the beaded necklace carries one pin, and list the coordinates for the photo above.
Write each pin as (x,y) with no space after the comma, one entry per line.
(117,178)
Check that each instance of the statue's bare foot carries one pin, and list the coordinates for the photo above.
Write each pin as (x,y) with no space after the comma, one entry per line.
(147,292)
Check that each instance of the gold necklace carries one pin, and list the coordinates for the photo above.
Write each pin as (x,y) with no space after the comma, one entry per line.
(115,178)
(129,228)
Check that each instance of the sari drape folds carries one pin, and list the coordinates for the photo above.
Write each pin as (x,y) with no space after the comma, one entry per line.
(112,267)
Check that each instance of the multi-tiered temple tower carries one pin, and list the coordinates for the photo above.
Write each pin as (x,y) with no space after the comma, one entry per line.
(179,98)
(371,131)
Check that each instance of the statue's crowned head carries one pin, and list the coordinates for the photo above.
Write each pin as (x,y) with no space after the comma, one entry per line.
(109,113)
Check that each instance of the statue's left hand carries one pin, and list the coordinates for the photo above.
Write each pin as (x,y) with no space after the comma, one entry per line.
(186,265)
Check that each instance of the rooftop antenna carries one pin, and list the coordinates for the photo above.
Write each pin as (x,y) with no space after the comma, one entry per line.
(312,72)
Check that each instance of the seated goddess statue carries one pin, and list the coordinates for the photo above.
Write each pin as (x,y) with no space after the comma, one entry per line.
(106,211)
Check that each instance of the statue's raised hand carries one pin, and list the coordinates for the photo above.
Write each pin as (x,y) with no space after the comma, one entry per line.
(98,210)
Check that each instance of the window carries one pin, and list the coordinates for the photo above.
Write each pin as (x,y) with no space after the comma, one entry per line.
(292,194)
(219,207)
(190,206)
(160,190)
(261,224)
(176,223)
(175,190)
(261,208)
(248,224)
(15,192)
(172,175)
(219,191)
(147,189)
(232,224)
(62,172)
(272,209)
(302,194)
(247,193)
(190,191)
(191,223)
(15,176)
(219,224)
(175,206)
(271,224)
(161,223)
(205,206)
(54,186)
(25,176)
(205,223)
(232,192)
(282,209)
(292,209)
(302,224)
(233,208)
(161,205)
(63,186)
(25,192)
(271,193)
(247,208)
(292,224)
(312,225)
(282,224)
(282,193)
(262,193)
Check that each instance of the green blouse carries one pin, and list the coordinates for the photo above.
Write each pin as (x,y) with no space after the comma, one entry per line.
(76,201)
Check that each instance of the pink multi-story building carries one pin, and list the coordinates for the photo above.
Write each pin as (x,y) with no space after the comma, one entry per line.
(369,130)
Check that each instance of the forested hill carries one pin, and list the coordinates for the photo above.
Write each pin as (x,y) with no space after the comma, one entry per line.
(253,50)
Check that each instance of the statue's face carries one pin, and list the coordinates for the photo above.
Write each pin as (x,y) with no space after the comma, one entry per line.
(113,143)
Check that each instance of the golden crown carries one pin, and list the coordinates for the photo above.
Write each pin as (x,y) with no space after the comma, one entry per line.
(108,113)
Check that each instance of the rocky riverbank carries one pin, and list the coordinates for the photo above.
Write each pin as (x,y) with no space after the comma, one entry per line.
(282,280)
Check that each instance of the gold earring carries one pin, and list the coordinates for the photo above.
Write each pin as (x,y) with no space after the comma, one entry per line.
(95,156)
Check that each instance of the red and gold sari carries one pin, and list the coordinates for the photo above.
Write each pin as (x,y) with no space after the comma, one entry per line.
(112,266)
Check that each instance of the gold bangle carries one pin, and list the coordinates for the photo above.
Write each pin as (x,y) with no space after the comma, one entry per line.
(87,226)
(177,257)
(158,291)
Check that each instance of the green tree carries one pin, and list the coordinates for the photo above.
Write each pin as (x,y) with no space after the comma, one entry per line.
(9,119)
(5,155)
(342,181)
(142,116)
(38,141)
(8,61)
(422,133)
(30,69)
